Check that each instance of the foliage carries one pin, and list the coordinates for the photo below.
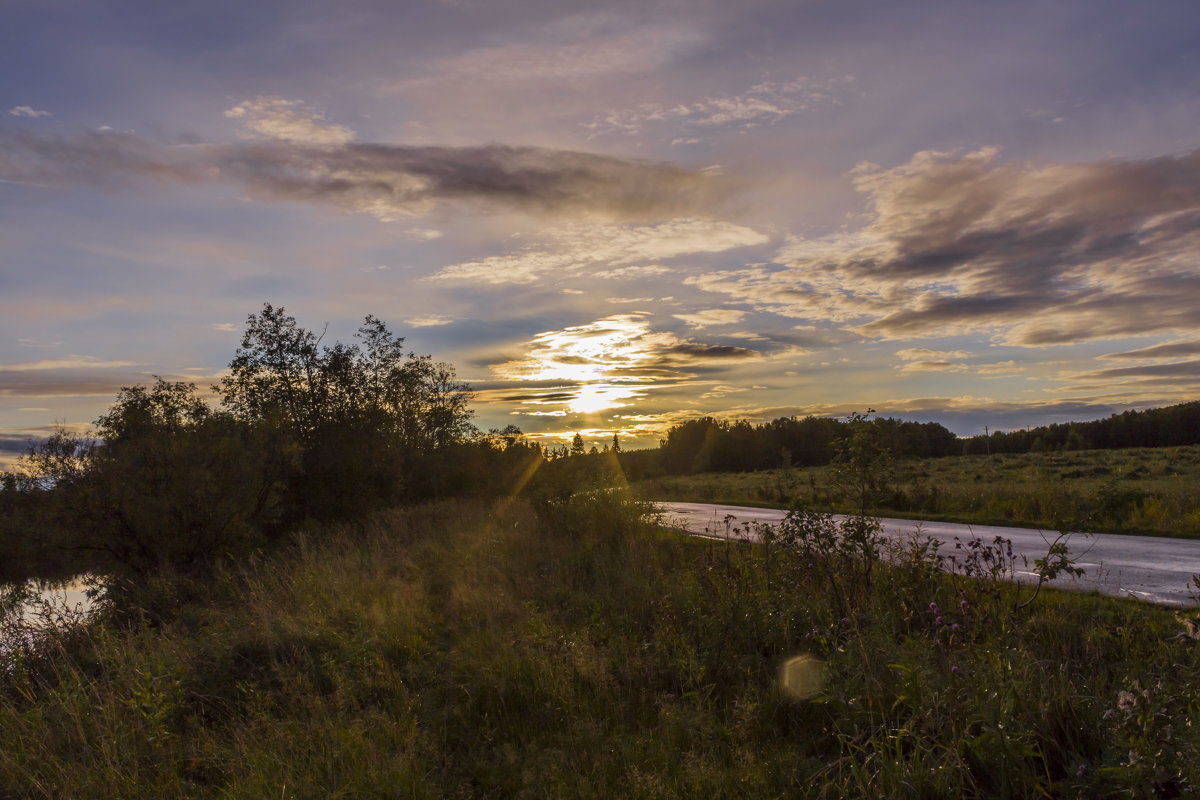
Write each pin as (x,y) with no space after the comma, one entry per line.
(708,444)
(371,420)
(166,486)
(467,649)
(1149,490)
(170,485)
(1170,426)
(863,462)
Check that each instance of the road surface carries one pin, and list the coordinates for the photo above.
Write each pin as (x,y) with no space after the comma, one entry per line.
(1149,568)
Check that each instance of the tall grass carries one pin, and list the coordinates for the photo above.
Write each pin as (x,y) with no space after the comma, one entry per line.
(576,650)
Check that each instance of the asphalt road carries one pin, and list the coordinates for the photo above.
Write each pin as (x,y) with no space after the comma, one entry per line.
(1148,568)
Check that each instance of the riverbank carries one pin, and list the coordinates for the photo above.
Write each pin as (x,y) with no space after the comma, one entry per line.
(576,650)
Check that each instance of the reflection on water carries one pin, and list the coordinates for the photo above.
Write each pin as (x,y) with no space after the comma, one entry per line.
(72,595)
(26,611)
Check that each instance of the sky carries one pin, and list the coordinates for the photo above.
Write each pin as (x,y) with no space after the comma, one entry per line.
(611,217)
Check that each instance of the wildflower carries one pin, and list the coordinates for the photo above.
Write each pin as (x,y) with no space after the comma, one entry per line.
(1126,701)
(962,604)
(938,620)
(954,669)
(954,627)
(933,607)
(1083,768)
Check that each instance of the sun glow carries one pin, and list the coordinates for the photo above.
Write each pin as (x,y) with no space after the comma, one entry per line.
(593,398)
(610,360)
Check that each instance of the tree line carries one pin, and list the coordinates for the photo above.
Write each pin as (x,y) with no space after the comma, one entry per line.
(167,483)
(1170,426)
(712,445)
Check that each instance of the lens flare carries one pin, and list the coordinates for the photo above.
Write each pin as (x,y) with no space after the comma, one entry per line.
(802,677)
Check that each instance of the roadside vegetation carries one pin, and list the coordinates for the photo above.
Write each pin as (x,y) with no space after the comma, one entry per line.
(574,649)
(1137,490)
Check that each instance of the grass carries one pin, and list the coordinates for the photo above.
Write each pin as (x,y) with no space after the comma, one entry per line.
(464,650)
(1140,491)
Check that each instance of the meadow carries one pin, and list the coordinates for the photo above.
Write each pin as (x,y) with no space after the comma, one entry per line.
(574,648)
(1136,490)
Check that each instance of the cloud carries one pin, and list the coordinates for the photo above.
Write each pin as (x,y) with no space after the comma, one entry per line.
(585,246)
(1188,370)
(424,234)
(429,321)
(999,368)
(1166,350)
(920,359)
(61,386)
(764,103)
(74,362)
(74,376)
(932,366)
(921,353)
(1030,254)
(28,111)
(288,120)
(600,365)
(388,181)
(631,273)
(712,316)
(520,66)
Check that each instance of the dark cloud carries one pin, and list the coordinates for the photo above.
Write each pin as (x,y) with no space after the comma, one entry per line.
(15,444)
(547,397)
(23,384)
(705,352)
(385,180)
(1169,350)
(1095,244)
(1040,254)
(1182,369)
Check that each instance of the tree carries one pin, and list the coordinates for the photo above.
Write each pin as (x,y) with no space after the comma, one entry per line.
(374,423)
(864,461)
(168,485)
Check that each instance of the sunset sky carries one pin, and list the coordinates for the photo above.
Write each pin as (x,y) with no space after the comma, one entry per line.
(611,217)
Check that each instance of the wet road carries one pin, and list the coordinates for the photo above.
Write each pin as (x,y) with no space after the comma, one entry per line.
(1148,568)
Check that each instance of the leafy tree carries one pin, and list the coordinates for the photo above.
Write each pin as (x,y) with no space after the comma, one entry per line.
(168,487)
(375,424)
(864,460)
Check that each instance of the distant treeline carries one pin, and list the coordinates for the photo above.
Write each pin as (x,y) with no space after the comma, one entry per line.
(711,445)
(1171,426)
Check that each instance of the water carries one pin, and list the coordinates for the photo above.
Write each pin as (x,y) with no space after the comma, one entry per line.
(52,604)
(1148,568)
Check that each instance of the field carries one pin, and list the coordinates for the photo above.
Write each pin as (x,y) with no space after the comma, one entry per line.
(1142,490)
(576,650)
